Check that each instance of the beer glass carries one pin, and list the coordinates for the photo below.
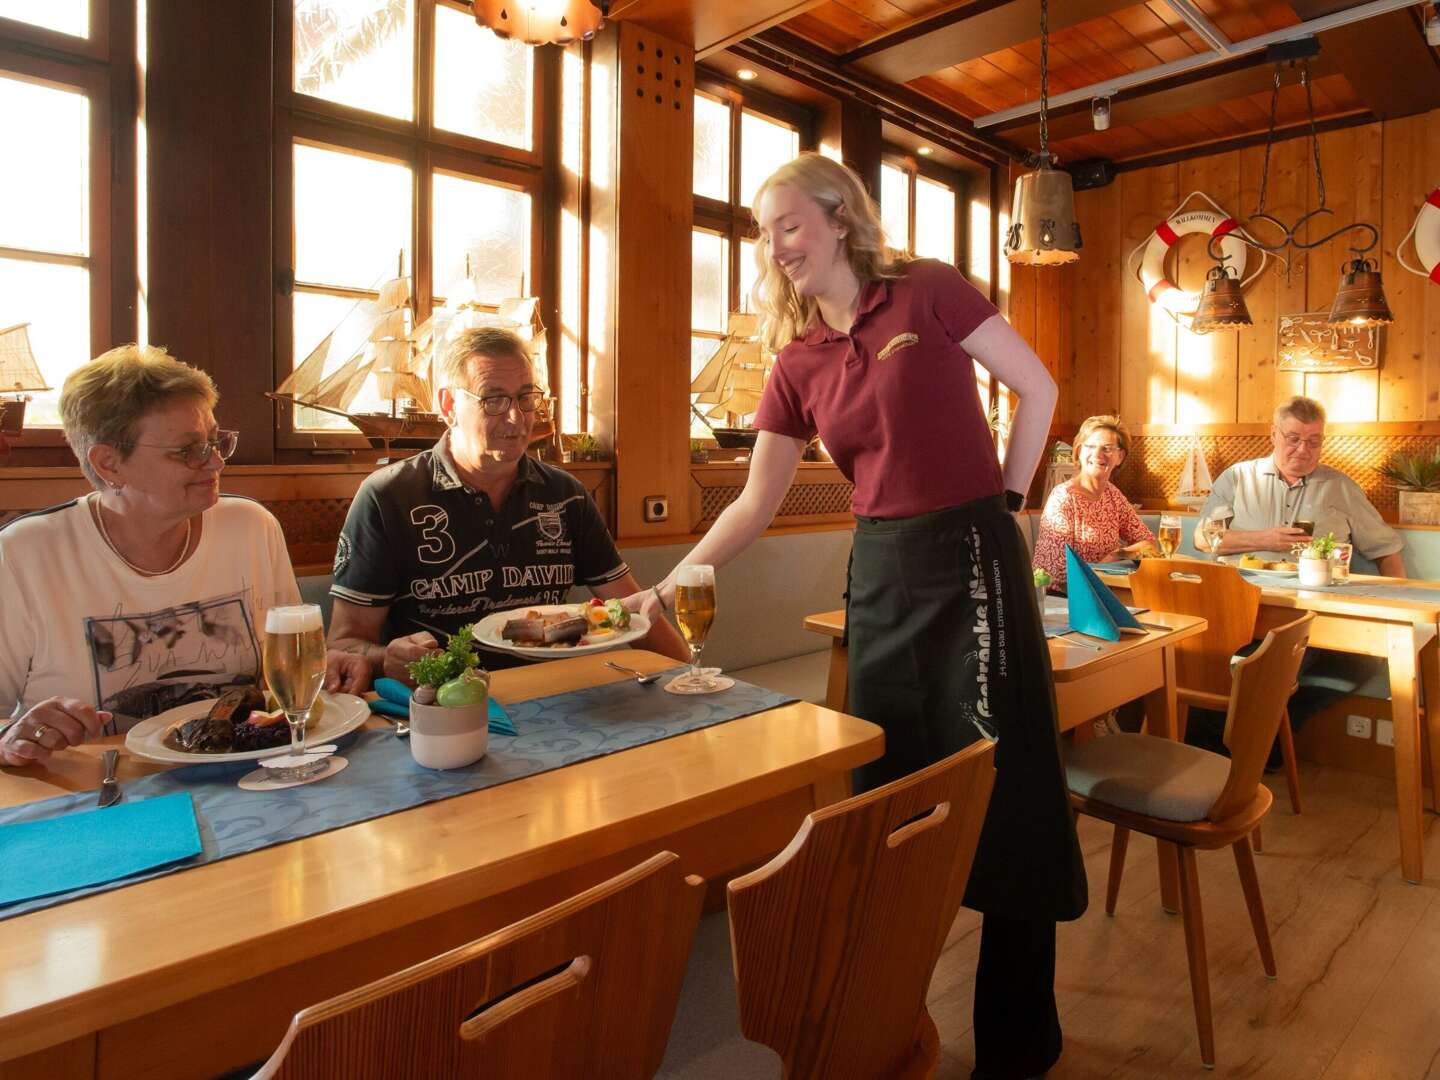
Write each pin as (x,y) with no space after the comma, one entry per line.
(1169,534)
(295,669)
(695,612)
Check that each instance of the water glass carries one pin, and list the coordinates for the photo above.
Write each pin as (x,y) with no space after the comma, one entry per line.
(1340,562)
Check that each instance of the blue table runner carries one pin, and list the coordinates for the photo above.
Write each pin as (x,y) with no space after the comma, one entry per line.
(382,778)
(1370,591)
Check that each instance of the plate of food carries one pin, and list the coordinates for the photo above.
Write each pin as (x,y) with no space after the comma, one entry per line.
(548,631)
(238,726)
(1260,565)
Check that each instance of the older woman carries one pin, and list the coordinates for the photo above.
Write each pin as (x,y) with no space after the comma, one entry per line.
(1089,512)
(148,592)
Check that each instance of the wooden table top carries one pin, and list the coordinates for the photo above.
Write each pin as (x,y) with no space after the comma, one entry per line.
(1070,660)
(83,965)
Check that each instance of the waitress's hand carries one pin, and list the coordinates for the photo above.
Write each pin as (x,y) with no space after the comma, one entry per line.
(54,724)
(654,603)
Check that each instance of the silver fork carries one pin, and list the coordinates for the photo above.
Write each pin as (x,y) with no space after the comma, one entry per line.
(109,789)
(639,676)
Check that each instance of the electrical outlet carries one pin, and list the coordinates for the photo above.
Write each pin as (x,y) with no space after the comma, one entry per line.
(1385,732)
(1358,726)
(657,508)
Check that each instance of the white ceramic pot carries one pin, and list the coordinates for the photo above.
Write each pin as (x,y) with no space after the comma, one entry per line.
(1314,573)
(449,738)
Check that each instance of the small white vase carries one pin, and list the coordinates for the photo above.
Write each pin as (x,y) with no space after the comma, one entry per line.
(1314,573)
(449,738)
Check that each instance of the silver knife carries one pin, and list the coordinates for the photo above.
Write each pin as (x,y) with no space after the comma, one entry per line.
(109,789)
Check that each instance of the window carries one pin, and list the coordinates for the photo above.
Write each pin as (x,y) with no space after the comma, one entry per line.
(393,163)
(740,139)
(919,212)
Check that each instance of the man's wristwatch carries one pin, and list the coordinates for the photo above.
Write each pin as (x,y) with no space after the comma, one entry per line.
(1014,501)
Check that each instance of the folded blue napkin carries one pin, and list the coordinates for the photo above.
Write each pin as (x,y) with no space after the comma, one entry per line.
(1124,567)
(1094,610)
(91,847)
(394,700)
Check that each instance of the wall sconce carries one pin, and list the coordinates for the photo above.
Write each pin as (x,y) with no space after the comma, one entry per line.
(542,22)
(1100,113)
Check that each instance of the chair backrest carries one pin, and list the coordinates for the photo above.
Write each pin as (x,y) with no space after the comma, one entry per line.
(835,939)
(1262,684)
(1217,593)
(588,987)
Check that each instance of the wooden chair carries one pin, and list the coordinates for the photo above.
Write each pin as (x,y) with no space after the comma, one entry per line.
(835,939)
(588,987)
(1230,604)
(1194,799)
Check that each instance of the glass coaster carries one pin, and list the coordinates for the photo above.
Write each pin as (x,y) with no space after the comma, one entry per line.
(679,685)
(266,780)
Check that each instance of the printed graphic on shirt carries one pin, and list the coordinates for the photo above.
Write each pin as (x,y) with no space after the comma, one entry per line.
(898,342)
(437,545)
(147,662)
(342,554)
(548,521)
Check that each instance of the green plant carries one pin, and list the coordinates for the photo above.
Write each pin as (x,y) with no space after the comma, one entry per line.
(696,445)
(1321,547)
(584,443)
(442,665)
(1042,578)
(1413,472)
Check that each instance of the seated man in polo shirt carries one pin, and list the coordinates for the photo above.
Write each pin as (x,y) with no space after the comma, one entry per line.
(441,539)
(1268,495)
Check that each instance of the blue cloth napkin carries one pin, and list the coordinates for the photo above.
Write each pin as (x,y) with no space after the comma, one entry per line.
(394,700)
(1094,610)
(1115,567)
(91,847)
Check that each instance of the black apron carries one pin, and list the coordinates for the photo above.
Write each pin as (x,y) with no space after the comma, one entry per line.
(946,646)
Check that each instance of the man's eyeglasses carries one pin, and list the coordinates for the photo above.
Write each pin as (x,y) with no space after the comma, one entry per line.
(196,454)
(499,404)
(1294,442)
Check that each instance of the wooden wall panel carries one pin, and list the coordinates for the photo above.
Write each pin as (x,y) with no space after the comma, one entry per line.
(1147,334)
(1094,325)
(1206,366)
(1409,386)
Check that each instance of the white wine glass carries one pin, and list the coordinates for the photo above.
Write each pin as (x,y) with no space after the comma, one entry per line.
(1169,534)
(695,613)
(1214,531)
(294,669)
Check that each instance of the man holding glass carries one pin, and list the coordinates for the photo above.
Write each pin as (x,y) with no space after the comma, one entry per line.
(442,539)
(1282,500)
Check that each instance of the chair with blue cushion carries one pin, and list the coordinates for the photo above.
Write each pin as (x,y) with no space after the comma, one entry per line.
(1197,800)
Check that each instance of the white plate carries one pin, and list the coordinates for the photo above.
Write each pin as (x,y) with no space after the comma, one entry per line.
(488,633)
(1231,560)
(343,714)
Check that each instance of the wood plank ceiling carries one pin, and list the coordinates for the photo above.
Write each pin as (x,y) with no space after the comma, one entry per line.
(987,59)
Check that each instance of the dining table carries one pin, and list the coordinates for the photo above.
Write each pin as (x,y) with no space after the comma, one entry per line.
(200,971)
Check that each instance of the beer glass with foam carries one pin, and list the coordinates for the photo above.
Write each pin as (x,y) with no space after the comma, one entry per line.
(295,668)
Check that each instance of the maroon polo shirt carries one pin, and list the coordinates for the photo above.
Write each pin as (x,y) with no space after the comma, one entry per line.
(895,400)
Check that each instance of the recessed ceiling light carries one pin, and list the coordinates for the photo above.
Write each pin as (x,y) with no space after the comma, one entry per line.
(747,74)
(924,151)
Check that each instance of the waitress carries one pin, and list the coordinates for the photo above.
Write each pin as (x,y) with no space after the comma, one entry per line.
(946,643)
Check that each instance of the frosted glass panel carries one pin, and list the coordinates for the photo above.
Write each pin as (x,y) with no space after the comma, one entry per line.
(67,16)
(709,281)
(358,53)
(489,223)
(55,301)
(749,272)
(712,148)
(483,83)
(934,220)
(764,147)
(895,206)
(44,200)
(352,218)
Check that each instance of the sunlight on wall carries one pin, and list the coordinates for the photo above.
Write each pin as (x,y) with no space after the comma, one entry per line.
(570,359)
(1160,360)
(1195,368)
(978,269)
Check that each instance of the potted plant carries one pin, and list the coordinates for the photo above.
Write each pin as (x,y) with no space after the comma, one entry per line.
(585,447)
(1417,478)
(1315,564)
(450,708)
(699,453)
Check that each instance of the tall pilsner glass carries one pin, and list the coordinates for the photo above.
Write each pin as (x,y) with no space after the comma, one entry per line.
(695,612)
(295,669)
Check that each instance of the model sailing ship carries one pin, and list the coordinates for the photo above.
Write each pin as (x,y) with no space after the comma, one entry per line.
(732,381)
(19,376)
(1194,477)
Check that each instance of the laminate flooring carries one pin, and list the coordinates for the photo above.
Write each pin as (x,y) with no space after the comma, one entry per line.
(1358,952)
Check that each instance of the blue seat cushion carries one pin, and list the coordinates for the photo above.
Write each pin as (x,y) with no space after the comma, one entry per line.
(1148,775)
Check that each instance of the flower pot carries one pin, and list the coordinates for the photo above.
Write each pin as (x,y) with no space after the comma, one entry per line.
(1314,573)
(449,738)
(699,457)
(1419,507)
(1040,593)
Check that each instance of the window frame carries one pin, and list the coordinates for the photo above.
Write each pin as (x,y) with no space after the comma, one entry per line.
(953,179)
(426,150)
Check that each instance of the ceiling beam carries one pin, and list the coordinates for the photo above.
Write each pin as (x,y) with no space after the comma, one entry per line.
(706,24)
(1225,81)
(1385,59)
(959,34)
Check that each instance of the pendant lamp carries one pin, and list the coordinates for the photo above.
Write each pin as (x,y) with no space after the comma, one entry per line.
(1222,304)
(542,22)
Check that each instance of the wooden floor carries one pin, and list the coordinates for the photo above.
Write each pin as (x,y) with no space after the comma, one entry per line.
(1358,952)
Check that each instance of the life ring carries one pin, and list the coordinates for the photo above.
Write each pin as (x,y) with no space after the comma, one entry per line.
(1426,232)
(1158,288)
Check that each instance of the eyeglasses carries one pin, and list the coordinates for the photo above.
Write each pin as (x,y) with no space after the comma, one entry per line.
(1103,448)
(499,404)
(1294,442)
(196,454)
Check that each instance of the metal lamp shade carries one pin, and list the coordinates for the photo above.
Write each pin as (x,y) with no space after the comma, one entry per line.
(1222,305)
(541,22)
(1043,229)
(1361,298)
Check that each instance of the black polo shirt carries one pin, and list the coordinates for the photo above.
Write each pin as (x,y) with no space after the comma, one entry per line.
(432,549)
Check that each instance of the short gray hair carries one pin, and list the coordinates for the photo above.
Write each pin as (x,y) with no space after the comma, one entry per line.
(494,342)
(1306,410)
(104,401)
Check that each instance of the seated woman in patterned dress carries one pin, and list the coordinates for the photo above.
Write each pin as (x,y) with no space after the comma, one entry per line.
(1088,512)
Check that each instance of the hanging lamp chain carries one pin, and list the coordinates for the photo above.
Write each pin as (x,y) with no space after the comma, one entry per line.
(1314,134)
(1044,82)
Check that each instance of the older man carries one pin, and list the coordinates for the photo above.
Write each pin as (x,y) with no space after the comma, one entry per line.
(1270,494)
(442,539)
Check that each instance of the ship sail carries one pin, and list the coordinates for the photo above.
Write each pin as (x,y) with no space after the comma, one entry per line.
(18,370)
(1194,476)
(733,379)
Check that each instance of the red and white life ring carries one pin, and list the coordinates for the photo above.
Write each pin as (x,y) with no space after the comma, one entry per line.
(1426,232)
(1160,289)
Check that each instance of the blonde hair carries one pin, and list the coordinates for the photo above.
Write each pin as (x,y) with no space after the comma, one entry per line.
(784,313)
(494,342)
(1106,422)
(1306,410)
(104,401)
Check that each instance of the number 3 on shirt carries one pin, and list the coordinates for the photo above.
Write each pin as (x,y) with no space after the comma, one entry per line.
(438,547)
